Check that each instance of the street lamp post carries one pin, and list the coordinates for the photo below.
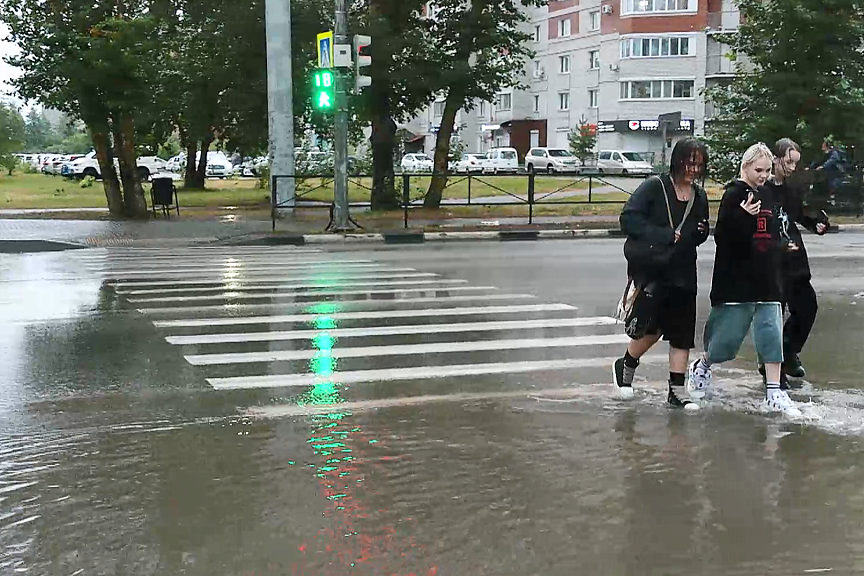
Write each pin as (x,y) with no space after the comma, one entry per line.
(280,103)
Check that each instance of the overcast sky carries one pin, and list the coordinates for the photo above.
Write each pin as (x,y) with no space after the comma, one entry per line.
(6,71)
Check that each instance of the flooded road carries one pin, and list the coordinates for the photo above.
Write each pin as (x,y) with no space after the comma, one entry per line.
(419,410)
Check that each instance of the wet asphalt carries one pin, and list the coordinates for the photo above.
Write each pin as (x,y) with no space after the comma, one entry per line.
(435,409)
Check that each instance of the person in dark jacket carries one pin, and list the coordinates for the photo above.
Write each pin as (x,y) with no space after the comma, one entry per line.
(799,298)
(831,166)
(646,218)
(746,286)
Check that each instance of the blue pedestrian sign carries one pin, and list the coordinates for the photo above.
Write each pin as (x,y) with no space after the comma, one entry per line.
(325,50)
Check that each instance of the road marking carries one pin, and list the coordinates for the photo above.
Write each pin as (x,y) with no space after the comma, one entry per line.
(348,304)
(298,287)
(246,293)
(418,373)
(277,336)
(215,267)
(321,279)
(253,273)
(386,314)
(407,349)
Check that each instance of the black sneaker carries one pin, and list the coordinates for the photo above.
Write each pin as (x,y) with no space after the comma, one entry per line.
(624,391)
(793,367)
(676,400)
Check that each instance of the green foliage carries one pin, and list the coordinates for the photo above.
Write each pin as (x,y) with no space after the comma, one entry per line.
(799,75)
(39,132)
(87,182)
(583,140)
(12,136)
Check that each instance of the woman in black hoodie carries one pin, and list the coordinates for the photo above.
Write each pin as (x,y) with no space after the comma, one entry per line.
(746,287)
(645,218)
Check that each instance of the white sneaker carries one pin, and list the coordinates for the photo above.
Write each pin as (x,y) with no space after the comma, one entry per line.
(698,381)
(779,401)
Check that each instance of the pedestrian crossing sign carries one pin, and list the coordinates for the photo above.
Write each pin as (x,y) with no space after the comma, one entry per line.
(325,50)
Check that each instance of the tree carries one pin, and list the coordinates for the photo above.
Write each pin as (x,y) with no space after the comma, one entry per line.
(583,139)
(39,134)
(799,74)
(12,136)
(480,49)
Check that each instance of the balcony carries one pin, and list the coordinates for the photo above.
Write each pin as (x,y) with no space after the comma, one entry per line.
(718,66)
(720,22)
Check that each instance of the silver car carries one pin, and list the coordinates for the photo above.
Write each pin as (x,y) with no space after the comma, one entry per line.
(551,160)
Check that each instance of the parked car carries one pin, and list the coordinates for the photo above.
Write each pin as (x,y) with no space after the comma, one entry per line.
(501,160)
(89,166)
(218,165)
(623,162)
(416,162)
(471,163)
(551,160)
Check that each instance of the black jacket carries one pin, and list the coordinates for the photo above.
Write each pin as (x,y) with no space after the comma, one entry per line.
(747,264)
(789,212)
(645,217)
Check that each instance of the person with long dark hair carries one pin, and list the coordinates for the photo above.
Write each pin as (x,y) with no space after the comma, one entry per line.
(669,211)
(799,298)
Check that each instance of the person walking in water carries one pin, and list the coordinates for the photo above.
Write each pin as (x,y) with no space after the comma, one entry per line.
(799,298)
(746,287)
(671,212)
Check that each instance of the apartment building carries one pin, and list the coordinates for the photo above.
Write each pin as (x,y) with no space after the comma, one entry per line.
(619,64)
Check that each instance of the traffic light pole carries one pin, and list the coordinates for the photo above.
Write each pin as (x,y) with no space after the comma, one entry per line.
(341,220)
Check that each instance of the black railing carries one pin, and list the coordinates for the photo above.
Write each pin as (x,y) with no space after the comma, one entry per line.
(573,189)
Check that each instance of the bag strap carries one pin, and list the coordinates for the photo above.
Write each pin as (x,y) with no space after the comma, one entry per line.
(669,207)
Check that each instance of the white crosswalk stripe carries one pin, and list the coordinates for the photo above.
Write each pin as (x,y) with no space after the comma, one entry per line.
(263,317)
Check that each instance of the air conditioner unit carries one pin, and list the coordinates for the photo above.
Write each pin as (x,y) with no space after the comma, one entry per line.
(606,9)
(614,67)
(540,74)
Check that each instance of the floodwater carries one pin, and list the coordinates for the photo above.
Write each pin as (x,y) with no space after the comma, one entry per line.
(415,410)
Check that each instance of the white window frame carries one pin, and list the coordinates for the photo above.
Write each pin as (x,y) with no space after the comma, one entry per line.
(564,64)
(594,59)
(499,104)
(664,88)
(565,27)
(593,98)
(651,7)
(436,106)
(481,109)
(563,101)
(537,33)
(634,47)
(594,21)
(536,104)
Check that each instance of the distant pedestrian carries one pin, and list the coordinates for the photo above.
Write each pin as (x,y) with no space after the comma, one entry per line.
(832,166)
(799,298)
(665,220)
(746,286)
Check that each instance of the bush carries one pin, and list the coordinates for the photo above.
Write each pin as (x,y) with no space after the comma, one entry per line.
(87,182)
(263,178)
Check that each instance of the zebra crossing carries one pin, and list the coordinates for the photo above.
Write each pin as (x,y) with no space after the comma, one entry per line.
(291,317)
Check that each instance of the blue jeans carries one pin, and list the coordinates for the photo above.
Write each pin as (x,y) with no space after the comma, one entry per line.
(728,325)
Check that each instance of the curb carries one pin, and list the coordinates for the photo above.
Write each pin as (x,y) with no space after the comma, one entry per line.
(29,246)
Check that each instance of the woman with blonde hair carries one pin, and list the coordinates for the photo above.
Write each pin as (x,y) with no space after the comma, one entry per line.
(746,286)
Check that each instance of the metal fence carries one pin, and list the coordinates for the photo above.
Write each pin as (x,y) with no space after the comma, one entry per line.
(528,190)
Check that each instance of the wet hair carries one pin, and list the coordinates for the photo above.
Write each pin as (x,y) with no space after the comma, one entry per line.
(685,150)
(783,146)
(755,153)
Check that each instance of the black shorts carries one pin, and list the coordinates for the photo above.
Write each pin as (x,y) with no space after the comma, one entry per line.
(676,318)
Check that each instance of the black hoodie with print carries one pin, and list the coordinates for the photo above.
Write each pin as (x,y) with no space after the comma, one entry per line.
(748,259)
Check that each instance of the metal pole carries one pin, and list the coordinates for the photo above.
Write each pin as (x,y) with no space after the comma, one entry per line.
(280,101)
(531,198)
(663,156)
(340,36)
(590,187)
(406,195)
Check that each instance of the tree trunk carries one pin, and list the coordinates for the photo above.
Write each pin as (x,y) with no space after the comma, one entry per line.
(102,145)
(124,147)
(201,170)
(384,195)
(191,147)
(442,151)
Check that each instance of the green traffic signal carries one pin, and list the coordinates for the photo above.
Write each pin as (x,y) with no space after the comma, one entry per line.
(323,83)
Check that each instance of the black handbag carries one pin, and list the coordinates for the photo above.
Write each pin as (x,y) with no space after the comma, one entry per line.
(638,308)
(648,257)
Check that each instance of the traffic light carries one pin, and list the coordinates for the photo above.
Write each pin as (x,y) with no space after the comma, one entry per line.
(323,96)
(360,81)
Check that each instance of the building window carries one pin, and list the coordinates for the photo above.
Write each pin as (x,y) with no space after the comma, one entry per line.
(536,33)
(656,89)
(592,98)
(536,103)
(481,109)
(594,21)
(564,64)
(648,6)
(594,59)
(564,101)
(438,109)
(564,27)
(505,102)
(655,47)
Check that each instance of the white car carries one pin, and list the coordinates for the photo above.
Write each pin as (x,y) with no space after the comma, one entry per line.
(471,163)
(624,163)
(413,163)
(501,160)
(551,160)
(218,165)
(89,166)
